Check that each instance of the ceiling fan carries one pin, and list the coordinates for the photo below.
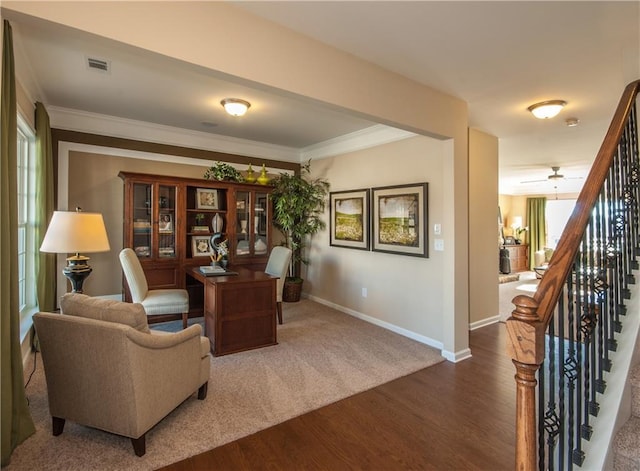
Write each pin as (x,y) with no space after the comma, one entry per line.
(555,176)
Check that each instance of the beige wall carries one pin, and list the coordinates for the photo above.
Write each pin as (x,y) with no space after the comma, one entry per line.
(263,55)
(407,292)
(95,187)
(483,227)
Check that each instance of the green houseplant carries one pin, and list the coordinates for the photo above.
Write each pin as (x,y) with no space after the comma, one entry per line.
(223,172)
(298,203)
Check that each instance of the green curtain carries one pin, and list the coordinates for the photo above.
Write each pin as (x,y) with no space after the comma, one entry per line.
(46,262)
(17,424)
(536,219)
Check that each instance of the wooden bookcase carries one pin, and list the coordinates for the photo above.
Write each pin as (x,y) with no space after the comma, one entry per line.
(169,222)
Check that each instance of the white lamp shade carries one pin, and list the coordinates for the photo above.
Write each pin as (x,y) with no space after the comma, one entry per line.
(517,222)
(75,232)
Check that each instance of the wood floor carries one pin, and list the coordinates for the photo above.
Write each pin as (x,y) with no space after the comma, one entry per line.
(447,417)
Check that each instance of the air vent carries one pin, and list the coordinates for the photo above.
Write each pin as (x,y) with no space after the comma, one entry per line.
(98,64)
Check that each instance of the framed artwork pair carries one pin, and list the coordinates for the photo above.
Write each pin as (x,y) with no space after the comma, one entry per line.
(390,219)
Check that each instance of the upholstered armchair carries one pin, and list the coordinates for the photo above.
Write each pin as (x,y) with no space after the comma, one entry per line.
(277,265)
(155,301)
(105,369)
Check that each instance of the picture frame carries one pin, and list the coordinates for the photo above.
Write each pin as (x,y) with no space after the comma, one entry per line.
(206,198)
(399,219)
(349,219)
(165,223)
(201,246)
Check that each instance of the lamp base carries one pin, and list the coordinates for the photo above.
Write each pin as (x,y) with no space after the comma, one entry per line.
(76,271)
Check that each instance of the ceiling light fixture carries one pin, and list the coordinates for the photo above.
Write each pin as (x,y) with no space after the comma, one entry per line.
(235,106)
(547,109)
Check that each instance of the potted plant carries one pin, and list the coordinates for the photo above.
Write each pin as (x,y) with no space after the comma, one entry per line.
(298,203)
(223,172)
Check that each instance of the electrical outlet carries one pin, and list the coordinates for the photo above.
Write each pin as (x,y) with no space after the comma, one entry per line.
(364,292)
(438,245)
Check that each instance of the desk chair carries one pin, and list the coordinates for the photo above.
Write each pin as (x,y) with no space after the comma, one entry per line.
(156,301)
(278,265)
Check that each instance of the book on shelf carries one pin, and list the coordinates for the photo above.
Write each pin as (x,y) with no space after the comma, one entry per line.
(199,228)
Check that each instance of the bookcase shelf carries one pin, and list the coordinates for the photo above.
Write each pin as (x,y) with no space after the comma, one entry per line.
(160,213)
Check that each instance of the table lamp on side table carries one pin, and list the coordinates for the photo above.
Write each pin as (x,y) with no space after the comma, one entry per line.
(75,232)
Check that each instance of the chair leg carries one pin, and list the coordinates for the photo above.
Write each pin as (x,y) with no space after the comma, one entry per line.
(185,318)
(139,446)
(57,425)
(279,309)
(202,391)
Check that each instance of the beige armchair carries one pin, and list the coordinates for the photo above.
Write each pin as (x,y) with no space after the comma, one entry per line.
(155,301)
(106,370)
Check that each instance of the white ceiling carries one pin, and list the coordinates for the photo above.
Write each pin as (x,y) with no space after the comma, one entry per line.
(499,57)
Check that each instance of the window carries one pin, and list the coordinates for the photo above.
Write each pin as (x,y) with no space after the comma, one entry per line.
(557,214)
(27,250)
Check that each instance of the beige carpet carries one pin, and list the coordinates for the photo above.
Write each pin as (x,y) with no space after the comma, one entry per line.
(527,285)
(323,356)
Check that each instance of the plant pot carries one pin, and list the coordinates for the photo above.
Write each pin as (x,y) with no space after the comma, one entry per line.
(292,290)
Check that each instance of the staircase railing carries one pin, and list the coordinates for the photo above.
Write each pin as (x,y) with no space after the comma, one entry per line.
(560,338)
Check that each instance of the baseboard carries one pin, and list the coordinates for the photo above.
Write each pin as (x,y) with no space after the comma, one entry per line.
(455,357)
(372,320)
(484,322)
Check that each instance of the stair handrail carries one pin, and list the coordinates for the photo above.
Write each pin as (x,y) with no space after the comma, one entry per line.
(532,314)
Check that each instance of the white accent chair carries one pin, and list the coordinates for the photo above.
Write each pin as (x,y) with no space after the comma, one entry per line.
(105,369)
(156,301)
(278,265)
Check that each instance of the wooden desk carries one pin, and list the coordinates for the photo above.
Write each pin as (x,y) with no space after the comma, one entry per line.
(239,310)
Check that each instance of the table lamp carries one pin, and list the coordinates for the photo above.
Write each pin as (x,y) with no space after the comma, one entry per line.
(75,232)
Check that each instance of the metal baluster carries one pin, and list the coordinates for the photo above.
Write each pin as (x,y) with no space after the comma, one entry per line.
(562,358)
(578,455)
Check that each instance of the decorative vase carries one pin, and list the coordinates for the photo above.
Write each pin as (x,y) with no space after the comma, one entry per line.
(263,179)
(224,262)
(250,177)
(217,223)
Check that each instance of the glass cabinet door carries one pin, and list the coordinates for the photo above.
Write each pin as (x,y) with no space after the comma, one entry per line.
(142,198)
(260,226)
(243,224)
(166,221)
(252,224)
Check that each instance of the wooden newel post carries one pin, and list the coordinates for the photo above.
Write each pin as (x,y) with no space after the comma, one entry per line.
(525,346)
(526,432)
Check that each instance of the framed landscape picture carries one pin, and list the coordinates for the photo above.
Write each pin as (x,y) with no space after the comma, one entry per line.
(399,217)
(349,219)
(206,198)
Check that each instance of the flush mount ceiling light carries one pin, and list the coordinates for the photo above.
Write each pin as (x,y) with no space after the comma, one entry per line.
(547,109)
(235,106)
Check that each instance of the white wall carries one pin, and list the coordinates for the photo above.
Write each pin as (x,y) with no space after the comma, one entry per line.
(403,291)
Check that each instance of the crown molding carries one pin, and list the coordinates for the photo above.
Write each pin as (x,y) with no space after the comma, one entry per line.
(94,123)
(370,137)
